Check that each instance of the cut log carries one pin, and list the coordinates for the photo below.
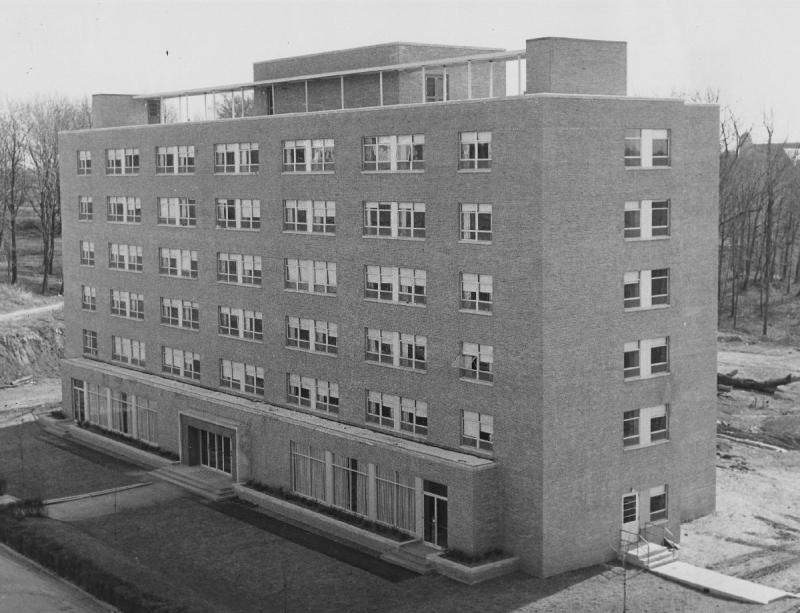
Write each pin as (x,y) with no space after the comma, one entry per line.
(768,386)
(723,388)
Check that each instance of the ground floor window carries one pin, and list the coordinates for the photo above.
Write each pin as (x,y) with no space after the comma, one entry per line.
(110,409)
(308,471)
(396,499)
(349,484)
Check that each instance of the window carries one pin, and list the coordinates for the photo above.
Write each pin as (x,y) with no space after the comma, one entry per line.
(647,148)
(241,377)
(398,285)
(241,323)
(177,262)
(84,162)
(646,288)
(88,298)
(310,276)
(177,211)
(312,393)
(393,153)
(125,257)
(89,342)
(476,293)
(236,158)
(475,151)
(123,209)
(658,503)
(646,358)
(641,427)
(127,304)
(180,363)
(122,161)
(312,216)
(239,268)
(180,313)
(175,160)
(234,213)
(394,219)
(477,362)
(647,219)
(308,471)
(476,223)
(396,349)
(85,208)
(477,430)
(87,253)
(308,155)
(128,351)
(397,413)
(121,409)
(310,335)
(437,85)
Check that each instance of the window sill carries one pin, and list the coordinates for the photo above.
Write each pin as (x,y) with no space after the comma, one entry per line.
(651,444)
(652,376)
(473,170)
(393,172)
(308,172)
(409,304)
(644,240)
(393,367)
(304,233)
(648,167)
(123,174)
(654,307)
(86,265)
(124,223)
(470,242)
(138,272)
(179,327)
(235,174)
(85,220)
(239,338)
(309,351)
(161,274)
(234,283)
(126,317)
(393,238)
(299,291)
(398,432)
(475,312)
(184,174)
(237,229)
(476,381)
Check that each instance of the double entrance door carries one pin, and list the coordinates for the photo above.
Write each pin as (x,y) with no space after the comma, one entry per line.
(434,497)
(210,449)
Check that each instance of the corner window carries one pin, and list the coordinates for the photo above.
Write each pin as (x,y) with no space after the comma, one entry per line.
(647,148)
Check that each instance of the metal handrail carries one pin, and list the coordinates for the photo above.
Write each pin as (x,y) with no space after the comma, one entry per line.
(639,540)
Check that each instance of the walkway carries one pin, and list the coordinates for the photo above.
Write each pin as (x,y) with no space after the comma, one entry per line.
(720,585)
(25,586)
(31,311)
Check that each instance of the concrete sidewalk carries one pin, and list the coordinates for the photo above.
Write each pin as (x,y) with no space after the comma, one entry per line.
(26,586)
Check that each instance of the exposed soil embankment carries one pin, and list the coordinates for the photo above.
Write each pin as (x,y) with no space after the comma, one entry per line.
(31,347)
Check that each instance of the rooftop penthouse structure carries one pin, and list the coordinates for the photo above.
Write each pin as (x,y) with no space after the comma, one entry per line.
(465,293)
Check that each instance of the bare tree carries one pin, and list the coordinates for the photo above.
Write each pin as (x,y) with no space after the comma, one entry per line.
(13,176)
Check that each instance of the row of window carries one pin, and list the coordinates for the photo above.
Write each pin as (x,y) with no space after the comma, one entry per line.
(644,148)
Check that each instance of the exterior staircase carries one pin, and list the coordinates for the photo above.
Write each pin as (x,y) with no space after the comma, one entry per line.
(414,556)
(209,484)
(648,555)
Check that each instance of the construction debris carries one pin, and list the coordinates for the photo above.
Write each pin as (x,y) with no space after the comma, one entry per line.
(768,386)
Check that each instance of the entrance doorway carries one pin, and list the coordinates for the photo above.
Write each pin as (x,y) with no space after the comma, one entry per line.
(630,517)
(435,513)
(210,449)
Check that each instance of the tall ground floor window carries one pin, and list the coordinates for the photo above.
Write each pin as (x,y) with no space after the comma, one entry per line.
(111,409)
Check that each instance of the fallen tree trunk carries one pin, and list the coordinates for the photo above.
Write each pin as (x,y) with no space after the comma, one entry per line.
(768,386)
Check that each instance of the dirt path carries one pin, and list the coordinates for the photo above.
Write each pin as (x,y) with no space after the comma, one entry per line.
(17,404)
(31,311)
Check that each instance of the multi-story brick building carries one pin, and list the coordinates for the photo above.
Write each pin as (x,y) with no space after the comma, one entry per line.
(465,292)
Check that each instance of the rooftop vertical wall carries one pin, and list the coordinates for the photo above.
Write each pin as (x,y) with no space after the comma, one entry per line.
(575,66)
(110,110)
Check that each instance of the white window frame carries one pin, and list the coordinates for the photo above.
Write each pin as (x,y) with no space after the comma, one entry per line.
(89,342)
(85,208)
(122,161)
(87,253)
(477,363)
(646,211)
(84,162)
(184,260)
(309,217)
(127,304)
(395,153)
(175,160)
(394,220)
(88,298)
(640,140)
(241,377)
(128,351)
(396,349)
(641,422)
(310,276)
(314,336)
(244,324)
(396,412)
(246,213)
(470,217)
(638,289)
(477,293)
(239,269)
(658,515)
(180,313)
(180,363)
(123,209)
(177,211)
(475,151)
(641,352)
(236,158)
(395,285)
(477,430)
(320,395)
(309,155)
(125,257)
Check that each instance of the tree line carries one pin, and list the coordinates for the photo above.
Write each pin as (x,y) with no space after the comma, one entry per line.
(29,172)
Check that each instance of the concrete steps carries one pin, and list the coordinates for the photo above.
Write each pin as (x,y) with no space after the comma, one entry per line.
(650,556)
(414,556)
(201,481)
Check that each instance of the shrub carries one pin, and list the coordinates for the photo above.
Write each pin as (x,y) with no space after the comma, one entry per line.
(57,414)
(493,555)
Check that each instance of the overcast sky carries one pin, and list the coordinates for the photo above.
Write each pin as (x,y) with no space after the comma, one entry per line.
(745,49)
